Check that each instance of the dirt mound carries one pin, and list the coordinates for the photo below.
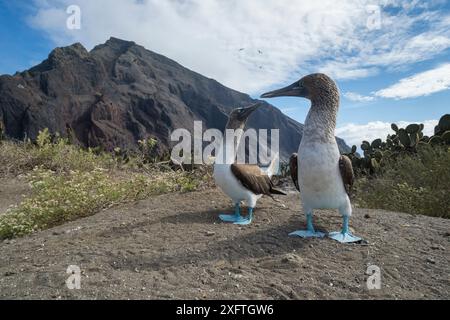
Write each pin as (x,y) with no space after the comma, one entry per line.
(174,246)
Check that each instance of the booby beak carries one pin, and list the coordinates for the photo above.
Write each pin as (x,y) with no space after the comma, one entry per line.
(246,112)
(294,90)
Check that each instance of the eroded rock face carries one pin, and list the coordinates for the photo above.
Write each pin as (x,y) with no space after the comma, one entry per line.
(119,93)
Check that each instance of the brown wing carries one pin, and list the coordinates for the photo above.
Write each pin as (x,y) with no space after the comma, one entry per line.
(348,176)
(254,179)
(293,168)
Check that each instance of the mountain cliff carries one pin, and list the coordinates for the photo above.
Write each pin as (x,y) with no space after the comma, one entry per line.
(119,93)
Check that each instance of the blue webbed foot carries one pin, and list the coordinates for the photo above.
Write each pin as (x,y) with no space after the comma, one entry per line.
(247,220)
(230,217)
(236,218)
(344,237)
(244,221)
(307,234)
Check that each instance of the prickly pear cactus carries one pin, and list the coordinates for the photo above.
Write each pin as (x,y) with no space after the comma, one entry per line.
(409,139)
(413,128)
(394,127)
(435,140)
(443,126)
(365,146)
(404,138)
(446,137)
(376,144)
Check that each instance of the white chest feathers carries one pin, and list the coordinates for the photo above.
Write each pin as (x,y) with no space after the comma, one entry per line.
(320,179)
(232,187)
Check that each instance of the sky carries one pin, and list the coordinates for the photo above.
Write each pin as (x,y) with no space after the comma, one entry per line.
(390,58)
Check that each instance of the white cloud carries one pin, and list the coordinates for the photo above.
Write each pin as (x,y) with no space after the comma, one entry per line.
(356,97)
(421,84)
(295,37)
(355,134)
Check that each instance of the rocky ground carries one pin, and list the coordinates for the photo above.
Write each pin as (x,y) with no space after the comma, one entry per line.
(174,246)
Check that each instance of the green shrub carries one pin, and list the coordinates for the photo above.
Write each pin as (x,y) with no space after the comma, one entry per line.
(22,157)
(418,184)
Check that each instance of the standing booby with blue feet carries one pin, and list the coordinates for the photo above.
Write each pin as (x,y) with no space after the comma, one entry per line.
(241,182)
(324,176)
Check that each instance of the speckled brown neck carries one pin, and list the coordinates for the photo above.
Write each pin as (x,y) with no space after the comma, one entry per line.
(320,125)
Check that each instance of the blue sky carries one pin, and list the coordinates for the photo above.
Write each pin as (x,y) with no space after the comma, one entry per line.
(21,45)
(390,58)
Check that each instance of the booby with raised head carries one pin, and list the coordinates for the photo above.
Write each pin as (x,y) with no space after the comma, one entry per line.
(242,182)
(324,176)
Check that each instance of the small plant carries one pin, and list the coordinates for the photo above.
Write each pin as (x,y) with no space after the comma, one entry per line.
(285,170)
(44,139)
(148,150)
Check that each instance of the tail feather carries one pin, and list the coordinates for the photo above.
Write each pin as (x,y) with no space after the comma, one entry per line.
(277,191)
(273,167)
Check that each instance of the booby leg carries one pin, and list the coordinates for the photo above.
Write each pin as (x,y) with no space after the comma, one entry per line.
(344,236)
(232,217)
(310,232)
(247,220)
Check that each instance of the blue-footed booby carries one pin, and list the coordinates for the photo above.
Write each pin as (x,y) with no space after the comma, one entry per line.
(324,176)
(242,182)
